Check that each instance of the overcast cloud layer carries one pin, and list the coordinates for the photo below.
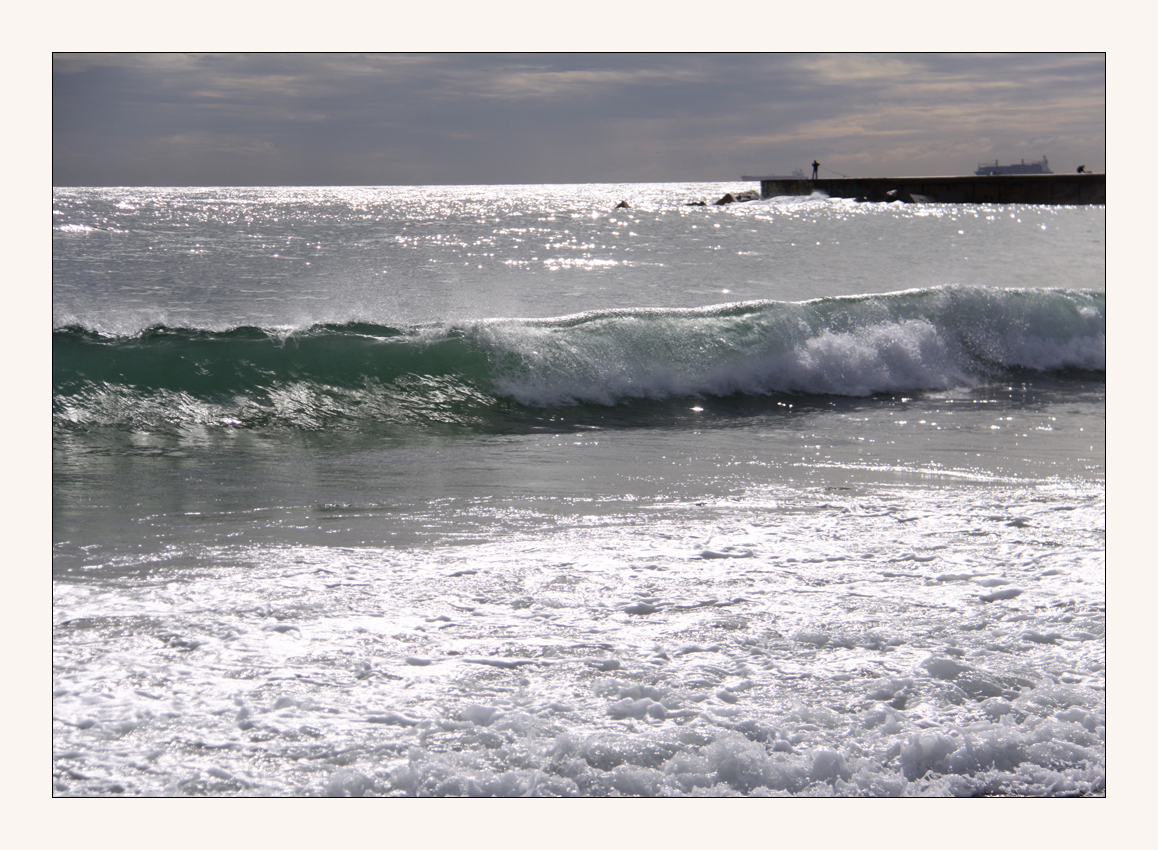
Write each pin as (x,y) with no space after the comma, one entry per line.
(270,119)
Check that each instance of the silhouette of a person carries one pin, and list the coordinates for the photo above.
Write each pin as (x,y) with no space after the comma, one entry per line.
(815,168)
(1081,169)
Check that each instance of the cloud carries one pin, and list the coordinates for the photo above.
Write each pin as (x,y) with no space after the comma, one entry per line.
(296,119)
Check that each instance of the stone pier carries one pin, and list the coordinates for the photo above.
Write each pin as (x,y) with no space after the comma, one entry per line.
(1060,189)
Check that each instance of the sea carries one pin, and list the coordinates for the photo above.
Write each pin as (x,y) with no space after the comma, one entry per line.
(575,491)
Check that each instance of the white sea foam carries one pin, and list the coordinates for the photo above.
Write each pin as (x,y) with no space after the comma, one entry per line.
(806,668)
(918,340)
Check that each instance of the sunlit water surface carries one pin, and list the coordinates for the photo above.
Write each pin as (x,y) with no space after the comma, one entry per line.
(426,586)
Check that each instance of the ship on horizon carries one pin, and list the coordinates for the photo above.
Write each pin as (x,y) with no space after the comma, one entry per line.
(1042,167)
(796,174)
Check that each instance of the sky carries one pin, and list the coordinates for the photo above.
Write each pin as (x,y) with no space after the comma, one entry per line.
(264,119)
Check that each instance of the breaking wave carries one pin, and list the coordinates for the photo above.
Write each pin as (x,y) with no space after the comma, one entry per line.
(467,372)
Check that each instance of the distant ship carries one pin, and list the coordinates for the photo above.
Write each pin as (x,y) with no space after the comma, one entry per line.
(796,174)
(1022,167)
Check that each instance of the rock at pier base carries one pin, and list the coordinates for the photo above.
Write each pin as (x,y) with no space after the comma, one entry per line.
(751,195)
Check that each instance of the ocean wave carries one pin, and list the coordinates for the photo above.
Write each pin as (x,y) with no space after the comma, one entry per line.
(461,373)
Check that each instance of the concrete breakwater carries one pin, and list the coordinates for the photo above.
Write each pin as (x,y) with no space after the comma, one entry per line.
(1063,189)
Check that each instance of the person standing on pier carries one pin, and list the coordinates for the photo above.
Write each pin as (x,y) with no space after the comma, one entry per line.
(815,168)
